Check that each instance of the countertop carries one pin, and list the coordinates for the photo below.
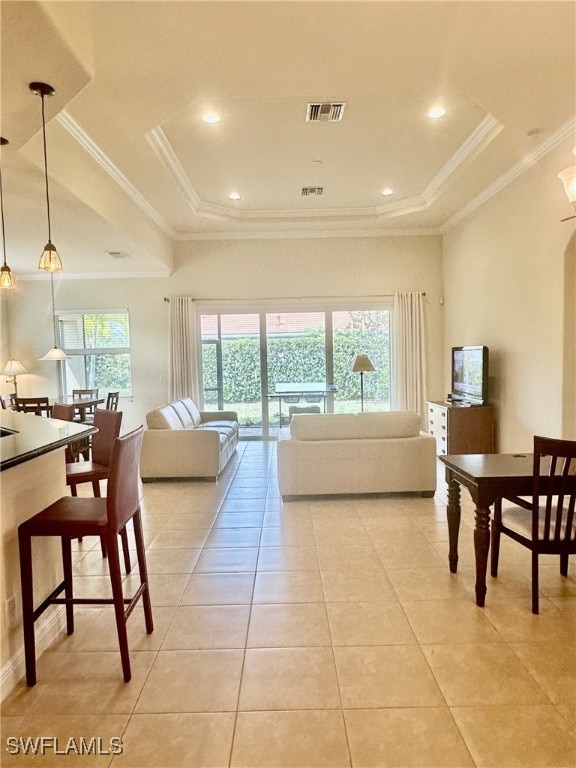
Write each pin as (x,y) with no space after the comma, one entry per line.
(32,436)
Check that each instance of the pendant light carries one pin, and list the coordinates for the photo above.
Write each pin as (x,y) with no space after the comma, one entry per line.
(6,277)
(55,353)
(50,260)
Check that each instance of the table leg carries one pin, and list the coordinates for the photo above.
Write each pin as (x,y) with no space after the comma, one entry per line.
(481,547)
(453,515)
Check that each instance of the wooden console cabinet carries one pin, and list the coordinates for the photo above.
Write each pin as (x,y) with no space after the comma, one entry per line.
(460,428)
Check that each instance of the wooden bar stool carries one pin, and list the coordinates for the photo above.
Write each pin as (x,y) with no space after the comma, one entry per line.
(98,467)
(72,517)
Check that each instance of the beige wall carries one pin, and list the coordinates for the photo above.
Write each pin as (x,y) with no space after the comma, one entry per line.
(229,270)
(509,282)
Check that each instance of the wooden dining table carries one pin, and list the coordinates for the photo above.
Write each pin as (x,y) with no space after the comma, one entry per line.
(488,477)
(81,403)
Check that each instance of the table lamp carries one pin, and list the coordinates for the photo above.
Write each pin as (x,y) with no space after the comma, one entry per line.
(13,368)
(362,364)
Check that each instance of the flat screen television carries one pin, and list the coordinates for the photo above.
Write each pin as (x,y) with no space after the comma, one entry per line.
(470,374)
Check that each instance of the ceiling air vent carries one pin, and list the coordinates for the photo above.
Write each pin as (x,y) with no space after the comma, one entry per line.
(312,191)
(118,254)
(325,112)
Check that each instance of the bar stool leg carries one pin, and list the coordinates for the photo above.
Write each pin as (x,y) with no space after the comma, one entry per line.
(126,550)
(137,519)
(25,547)
(118,595)
(68,584)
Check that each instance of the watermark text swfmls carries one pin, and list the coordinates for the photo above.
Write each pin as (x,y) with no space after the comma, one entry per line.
(43,745)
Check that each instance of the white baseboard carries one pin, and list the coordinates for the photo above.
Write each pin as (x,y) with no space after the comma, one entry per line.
(47,631)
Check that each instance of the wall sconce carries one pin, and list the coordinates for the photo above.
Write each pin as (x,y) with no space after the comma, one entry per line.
(362,364)
(568,178)
(13,368)
(6,277)
(50,260)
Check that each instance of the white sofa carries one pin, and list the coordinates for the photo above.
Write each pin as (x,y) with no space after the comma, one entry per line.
(356,453)
(182,441)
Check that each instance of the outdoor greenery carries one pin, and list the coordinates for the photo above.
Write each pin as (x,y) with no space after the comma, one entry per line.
(300,358)
(98,345)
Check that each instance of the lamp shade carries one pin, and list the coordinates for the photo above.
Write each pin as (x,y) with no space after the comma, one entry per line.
(50,260)
(13,368)
(55,354)
(568,178)
(362,364)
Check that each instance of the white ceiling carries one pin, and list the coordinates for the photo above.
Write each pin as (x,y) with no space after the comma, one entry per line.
(133,168)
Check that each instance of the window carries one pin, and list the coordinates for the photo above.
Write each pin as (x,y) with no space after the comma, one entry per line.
(244,356)
(99,347)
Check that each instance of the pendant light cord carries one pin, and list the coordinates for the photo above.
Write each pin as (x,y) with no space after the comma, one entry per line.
(53,310)
(2,216)
(46,173)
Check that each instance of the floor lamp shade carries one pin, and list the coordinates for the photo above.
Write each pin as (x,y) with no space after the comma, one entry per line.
(12,369)
(362,364)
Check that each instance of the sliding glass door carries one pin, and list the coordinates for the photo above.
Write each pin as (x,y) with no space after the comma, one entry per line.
(248,357)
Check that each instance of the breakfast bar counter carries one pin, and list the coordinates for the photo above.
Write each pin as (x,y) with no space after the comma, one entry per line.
(32,462)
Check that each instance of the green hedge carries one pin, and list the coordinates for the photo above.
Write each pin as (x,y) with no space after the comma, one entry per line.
(297,359)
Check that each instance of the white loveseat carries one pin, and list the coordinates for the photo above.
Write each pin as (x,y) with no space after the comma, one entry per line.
(182,441)
(356,453)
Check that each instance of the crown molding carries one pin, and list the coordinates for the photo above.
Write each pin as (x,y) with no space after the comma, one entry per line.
(312,235)
(485,132)
(90,147)
(564,132)
(64,276)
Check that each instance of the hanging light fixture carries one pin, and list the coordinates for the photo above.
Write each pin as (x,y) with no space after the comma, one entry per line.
(6,277)
(55,353)
(50,260)
(568,179)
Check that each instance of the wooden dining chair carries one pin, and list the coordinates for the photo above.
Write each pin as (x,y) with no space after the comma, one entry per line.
(38,405)
(7,402)
(546,522)
(85,414)
(71,517)
(65,413)
(112,401)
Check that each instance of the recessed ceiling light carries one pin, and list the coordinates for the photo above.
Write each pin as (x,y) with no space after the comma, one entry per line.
(234,196)
(387,191)
(436,112)
(211,117)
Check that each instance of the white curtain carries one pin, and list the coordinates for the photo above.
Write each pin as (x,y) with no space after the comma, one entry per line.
(409,353)
(184,374)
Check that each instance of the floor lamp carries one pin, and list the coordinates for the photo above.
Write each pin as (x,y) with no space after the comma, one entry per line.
(13,368)
(362,364)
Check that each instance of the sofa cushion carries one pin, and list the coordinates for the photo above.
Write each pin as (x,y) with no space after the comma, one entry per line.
(163,418)
(190,406)
(348,426)
(183,414)
(388,424)
(323,426)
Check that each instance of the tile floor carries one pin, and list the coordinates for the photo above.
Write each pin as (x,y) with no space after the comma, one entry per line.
(314,633)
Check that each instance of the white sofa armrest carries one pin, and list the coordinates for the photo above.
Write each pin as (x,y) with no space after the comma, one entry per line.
(180,453)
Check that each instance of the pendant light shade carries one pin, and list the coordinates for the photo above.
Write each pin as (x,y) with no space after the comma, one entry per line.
(55,353)
(50,260)
(6,277)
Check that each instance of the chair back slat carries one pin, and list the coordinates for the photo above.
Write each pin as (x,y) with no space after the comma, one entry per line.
(108,424)
(87,394)
(123,498)
(112,401)
(554,497)
(38,405)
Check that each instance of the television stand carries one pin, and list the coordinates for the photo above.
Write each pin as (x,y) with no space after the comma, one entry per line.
(461,427)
